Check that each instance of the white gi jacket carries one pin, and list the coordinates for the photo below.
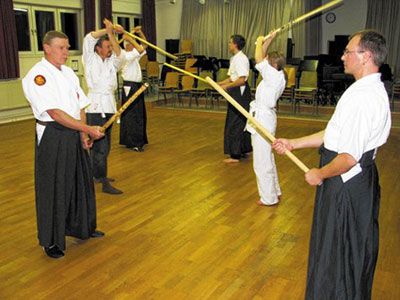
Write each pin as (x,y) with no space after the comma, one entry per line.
(101,77)
(239,66)
(46,87)
(361,121)
(268,92)
(131,70)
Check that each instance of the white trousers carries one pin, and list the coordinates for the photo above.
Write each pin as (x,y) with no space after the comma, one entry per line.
(264,162)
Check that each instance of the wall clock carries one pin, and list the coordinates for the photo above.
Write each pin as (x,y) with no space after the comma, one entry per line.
(330,17)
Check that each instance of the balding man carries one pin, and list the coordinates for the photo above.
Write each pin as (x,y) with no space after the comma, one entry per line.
(65,199)
(344,239)
(102,59)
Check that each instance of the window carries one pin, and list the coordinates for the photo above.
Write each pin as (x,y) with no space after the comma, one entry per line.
(69,25)
(129,22)
(23,35)
(33,22)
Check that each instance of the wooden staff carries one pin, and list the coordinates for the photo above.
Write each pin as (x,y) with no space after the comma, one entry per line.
(253,121)
(244,112)
(185,72)
(150,45)
(123,107)
(305,16)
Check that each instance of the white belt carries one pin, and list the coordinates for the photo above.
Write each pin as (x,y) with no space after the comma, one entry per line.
(104,93)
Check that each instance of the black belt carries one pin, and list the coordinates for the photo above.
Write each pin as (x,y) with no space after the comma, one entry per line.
(42,122)
(130,83)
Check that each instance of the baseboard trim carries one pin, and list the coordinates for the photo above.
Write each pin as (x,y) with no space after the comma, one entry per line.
(15,114)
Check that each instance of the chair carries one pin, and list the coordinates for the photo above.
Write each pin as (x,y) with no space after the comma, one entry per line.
(187,85)
(250,79)
(288,92)
(221,75)
(202,88)
(307,91)
(253,89)
(143,66)
(171,84)
(189,65)
(153,73)
(395,92)
(186,47)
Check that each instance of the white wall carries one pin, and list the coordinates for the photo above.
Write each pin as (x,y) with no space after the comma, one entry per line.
(127,6)
(168,22)
(350,17)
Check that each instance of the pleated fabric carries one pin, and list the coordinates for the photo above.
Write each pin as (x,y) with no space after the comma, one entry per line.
(65,197)
(345,234)
(133,119)
(236,140)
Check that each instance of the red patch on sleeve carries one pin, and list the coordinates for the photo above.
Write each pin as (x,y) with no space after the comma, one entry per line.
(40,80)
(77,94)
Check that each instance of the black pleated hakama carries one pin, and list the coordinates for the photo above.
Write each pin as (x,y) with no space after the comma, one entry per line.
(65,196)
(237,141)
(133,119)
(345,235)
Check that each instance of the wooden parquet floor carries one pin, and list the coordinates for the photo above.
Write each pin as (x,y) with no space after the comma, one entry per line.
(186,227)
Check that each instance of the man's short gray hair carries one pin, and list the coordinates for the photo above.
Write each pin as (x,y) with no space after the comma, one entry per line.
(373,41)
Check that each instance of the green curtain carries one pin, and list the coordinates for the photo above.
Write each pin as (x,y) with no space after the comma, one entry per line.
(210,26)
(383,16)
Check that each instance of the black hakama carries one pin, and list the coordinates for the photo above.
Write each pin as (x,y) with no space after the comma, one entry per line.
(101,147)
(237,141)
(133,119)
(345,237)
(65,197)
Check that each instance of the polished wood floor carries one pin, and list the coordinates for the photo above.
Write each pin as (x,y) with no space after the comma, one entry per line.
(186,227)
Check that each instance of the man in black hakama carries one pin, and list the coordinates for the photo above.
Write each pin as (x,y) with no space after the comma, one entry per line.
(133,120)
(345,237)
(65,198)
(64,191)
(237,141)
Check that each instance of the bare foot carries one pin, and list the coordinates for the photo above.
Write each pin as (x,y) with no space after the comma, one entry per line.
(230,160)
(259,203)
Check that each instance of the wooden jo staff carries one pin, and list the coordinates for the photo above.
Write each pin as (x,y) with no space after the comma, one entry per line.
(244,112)
(305,16)
(150,45)
(253,121)
(124,107)
(185,72)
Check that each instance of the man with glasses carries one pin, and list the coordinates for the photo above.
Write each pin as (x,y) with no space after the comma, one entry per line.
(344,238)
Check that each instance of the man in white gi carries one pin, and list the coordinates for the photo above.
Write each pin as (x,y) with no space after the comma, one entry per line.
(133,119)
(270,67)
(237,141)
(65,198)
(345,237)
(101,67)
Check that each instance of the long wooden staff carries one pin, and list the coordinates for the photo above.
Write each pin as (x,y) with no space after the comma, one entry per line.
(254,122)
(123,107)
(150,45)
(305,16)
(185,72)
(244,112)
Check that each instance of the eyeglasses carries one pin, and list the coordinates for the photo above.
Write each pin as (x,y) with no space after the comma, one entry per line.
(346,52)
